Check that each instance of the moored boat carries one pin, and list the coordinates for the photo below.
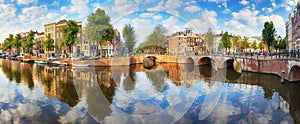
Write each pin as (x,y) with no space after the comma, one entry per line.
(40,62)
(59,63)
(80,65)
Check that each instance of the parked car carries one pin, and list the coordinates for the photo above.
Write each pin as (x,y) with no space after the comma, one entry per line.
(53,58)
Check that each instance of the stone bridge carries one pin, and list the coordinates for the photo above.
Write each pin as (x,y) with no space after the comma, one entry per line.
(288,68)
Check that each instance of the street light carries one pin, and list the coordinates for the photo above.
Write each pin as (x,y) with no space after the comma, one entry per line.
(278,43)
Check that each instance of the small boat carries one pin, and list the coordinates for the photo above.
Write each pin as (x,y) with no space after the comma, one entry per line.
(28,60)
(80,65)
(60,63)
(40,62)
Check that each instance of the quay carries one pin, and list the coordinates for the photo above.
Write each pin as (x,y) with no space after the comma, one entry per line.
(287,68)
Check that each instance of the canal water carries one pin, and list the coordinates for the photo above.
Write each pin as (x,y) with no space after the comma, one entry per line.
(167,93)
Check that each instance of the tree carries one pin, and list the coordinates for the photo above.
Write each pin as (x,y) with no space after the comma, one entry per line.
(48,44)
(254,45)
(69,35)
(98,28)
(220,47)
(235,42)
(209,39)
(8,42)
(245,43)
(17,42)
(268,34)
(226,41)
(27,45)
(129,37)
(282,44)
(260,46)
(156,38)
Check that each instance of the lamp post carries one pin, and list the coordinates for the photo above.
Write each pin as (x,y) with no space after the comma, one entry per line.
(278,44)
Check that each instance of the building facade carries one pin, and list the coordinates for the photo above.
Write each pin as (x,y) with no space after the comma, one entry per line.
(85,48)
(55,31)
(38,50)
(185,42)
(293,29)
(289,35)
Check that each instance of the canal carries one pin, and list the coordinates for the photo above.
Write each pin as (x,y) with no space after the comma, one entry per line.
(167,93)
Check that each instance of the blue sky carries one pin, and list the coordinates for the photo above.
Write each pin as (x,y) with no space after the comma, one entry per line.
(240,17)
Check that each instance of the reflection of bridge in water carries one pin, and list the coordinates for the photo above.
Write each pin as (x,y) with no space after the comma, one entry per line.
(183,75)
(72,85)
(290,68)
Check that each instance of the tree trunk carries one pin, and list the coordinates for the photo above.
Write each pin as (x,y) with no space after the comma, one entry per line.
(100,49)
(70,51)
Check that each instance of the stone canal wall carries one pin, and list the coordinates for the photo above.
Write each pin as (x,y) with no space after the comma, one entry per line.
(289,69)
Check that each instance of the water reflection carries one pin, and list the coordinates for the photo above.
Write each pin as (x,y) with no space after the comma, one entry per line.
(130,94)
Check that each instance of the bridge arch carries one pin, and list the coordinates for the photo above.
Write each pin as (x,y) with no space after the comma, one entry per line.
(232,63)
(205,61)
(190,60)
(294,73)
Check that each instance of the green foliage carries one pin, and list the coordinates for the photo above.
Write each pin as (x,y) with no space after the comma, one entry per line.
(209,38)
(268,34)
(226,40)
(235,42)
(261,46)
(282,44)
(29,41)
(69,35)
(221,46)
(17,42)
(98,27)
(8,42)
(48,44)
(156,38)
(254,45)
(245,43)
(129,37)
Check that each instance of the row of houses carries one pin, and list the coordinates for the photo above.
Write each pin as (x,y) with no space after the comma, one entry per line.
(293,30)
(189,43)
(82,48)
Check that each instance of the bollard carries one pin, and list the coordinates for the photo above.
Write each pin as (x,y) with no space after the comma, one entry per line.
(282,76)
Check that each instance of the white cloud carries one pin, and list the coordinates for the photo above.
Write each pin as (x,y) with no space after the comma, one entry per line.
(236,24)
(265,9)
(226,11)
(20,2)
(140,22)
(34,10)
(224,4)
(124,7)
(79,6)
(157,17)
(253,7)
(246,15)
(159,7)
(146,15)
(244,2)
(191,9)
(173,4)
(7,11)
(277,20)
(1,1)
(217,1)
(250,23)
(208,20)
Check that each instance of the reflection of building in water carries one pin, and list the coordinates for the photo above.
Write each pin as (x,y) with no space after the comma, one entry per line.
(50,82)
(105,79)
